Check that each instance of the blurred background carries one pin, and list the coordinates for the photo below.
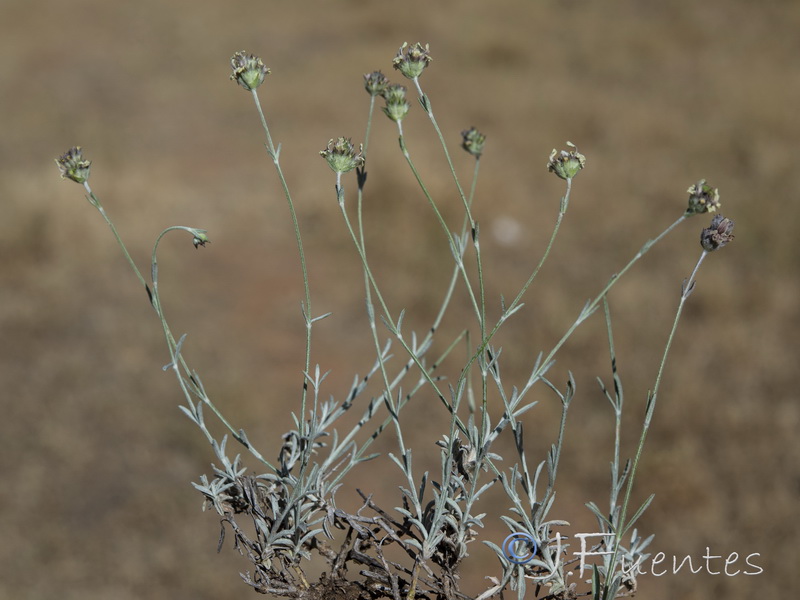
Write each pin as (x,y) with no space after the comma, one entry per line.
(97,459)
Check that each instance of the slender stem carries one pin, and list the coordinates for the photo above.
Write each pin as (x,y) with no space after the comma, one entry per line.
(387,315)
(359,214)
(481,311)
(307,313)
(587,311)
(369,123)
(362,248)
(95,201)
(360,244)
(622,526)
(479,261)
(450,238)
(177,358)
(617,405)
(515,303)
(426,104)
(172,346)
(368,282)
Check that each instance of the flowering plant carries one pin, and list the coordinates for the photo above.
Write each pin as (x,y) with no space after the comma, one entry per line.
(285,514)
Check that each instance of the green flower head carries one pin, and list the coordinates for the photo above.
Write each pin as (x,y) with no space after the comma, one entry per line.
(396,105)
(73,166)
(702,198)
(248,70)
(472,141)
(342,156)
(412,60)
(566,163)
(375,83)
(200,237)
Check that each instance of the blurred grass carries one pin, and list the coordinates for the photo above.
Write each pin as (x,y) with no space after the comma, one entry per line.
(97,458)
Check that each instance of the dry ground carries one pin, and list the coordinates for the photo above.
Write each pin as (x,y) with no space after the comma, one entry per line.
(97,460)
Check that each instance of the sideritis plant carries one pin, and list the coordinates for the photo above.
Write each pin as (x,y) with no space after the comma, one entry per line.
(282,511)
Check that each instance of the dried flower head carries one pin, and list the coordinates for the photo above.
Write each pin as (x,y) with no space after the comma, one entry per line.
(73,166)
(717,234)
(341,155)
(248,70)
(412,60)
(472,141)
(702,198)
(396,105)
(566,163)
(375,83)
